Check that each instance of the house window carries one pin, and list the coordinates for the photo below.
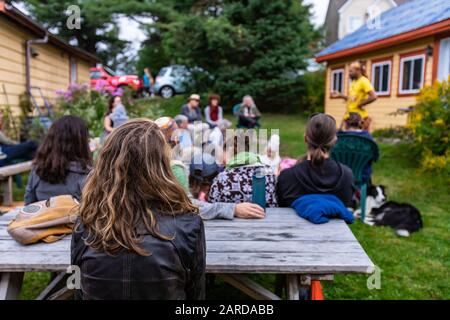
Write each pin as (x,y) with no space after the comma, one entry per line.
(444,60)
(354,23)
(73,70)
(412,74)
(381,77)
(337,80)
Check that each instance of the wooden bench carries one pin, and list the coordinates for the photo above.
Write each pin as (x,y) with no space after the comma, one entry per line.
(6,179)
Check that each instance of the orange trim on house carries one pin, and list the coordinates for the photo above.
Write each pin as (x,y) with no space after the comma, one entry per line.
(411,54)
(426,31)
(436,49)
(378,60)
(387,58)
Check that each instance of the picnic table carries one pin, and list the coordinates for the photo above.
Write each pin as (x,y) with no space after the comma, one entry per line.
(282,244)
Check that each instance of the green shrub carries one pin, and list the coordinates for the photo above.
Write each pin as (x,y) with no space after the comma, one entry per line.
(431,126)
(91,105)
(405,134)
(311,100)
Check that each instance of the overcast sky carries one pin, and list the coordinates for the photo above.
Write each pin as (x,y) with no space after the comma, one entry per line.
(319,9)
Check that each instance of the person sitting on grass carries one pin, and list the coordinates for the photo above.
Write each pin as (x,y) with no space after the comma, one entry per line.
(114,117)
(208,211)
(355,125)
(11,150)
(317,173)
(184,136)
(248,114)
(62,161)
(202,174)
(235,183)
(191,110)
(214,113)
(138,236)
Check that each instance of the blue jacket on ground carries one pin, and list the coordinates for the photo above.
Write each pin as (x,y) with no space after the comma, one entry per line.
(319,208)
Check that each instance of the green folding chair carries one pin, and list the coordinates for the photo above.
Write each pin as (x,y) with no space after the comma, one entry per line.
(356,152)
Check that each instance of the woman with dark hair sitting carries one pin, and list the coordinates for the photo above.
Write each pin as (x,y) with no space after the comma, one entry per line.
(115,116)
(317,173)
(138,235)
(214,113)
(62,161)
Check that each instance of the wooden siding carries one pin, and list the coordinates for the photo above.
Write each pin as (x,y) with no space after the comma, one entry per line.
(49,70)
(381,109)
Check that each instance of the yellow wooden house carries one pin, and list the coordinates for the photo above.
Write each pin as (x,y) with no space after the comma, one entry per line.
(407,48)
(32,57)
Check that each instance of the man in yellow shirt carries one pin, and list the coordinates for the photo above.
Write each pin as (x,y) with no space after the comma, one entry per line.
(361,94)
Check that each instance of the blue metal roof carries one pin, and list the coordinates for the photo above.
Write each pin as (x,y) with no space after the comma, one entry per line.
(407,17)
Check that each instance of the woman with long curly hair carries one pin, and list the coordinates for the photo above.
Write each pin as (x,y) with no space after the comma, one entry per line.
(138,235)
(62,161)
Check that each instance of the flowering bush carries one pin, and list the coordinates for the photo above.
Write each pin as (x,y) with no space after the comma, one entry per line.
(91,105)
(431,126)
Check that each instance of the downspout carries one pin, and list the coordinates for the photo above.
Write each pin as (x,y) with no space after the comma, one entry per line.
(28,45)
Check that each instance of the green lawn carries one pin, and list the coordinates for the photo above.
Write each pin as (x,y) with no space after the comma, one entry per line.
(412,268)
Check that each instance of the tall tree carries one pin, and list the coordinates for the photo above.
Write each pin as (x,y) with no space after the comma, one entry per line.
(252,47)
(99,33)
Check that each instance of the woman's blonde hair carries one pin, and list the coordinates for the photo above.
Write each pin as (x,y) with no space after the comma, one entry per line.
(131,181)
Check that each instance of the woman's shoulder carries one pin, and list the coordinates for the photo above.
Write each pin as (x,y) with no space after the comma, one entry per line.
(185,226)
(78,169)
(346,171)
(33,176)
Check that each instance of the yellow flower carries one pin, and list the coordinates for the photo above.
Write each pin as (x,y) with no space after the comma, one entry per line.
(439,123)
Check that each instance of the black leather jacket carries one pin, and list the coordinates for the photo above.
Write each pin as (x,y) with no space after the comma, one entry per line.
(175,269)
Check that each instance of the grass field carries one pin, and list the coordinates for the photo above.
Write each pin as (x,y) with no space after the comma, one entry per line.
(412,268)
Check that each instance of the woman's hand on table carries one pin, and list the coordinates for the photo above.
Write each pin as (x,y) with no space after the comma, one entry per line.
(249,211)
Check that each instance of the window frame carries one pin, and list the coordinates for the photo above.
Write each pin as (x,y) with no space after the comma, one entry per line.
(382,62)
(73,67)
(411,57)
(340,69)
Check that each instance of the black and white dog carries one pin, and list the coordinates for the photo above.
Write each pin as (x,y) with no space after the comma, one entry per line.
(403,217)
(376,197)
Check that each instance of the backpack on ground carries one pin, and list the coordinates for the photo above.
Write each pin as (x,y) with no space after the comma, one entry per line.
(47,221)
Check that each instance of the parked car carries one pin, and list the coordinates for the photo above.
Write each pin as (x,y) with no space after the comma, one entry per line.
(171,80)
(102,73)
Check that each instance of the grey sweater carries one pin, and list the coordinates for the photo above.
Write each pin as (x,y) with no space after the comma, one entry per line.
(218,210)
(38,189)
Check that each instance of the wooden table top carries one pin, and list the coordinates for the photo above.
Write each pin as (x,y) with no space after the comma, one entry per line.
(282,243)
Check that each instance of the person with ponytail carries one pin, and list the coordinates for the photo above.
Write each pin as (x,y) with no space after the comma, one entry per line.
(316,173)
(361,94)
